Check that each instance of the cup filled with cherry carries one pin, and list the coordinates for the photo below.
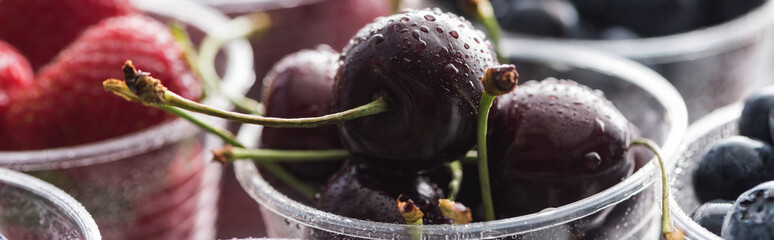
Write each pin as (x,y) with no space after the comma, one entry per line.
(722,179)
(402,135)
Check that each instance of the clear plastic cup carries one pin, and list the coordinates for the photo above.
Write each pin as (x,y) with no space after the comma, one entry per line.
(33,209)
(157,183)
(631,207)
(700,137)
(295,25)
(711,67)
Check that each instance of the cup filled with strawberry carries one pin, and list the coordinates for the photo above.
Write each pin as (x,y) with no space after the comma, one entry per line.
(714,52)
(722,179)
(142,173)
(34,209)
(401,161)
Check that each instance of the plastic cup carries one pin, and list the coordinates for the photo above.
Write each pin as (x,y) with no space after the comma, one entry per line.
(295,25)
(710,67)
(157,183)
(700,137)
(630,207)
(33,209)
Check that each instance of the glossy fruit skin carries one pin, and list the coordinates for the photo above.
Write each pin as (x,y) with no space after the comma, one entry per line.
(554,142)
(710,215)
(365,192)
(301,85)
(755,119)
(731,166)
(752,215)
(67,104)
(428,64)
(15,76)
(42,28)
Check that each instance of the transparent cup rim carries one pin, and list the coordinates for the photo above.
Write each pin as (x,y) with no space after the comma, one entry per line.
(696,131)
(687,45)
(634,73)
(237,79)
(71,208)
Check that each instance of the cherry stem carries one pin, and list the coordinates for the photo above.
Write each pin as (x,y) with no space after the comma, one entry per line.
(455,168)
(239,27)
(455,211)
(120,88)
(497,81)
(377,106)
(483,169)
(141,87)
(395,5)
(412,215)
(667,226)
(482,9)
(228,154)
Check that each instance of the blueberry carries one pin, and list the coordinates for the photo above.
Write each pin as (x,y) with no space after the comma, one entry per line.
(752,216)
(550,18)
(731,166)
(724,10)
(651,18)
(711,214)
(754,121)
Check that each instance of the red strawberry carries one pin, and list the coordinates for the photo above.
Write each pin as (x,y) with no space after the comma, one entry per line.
(67,104)
(15,76)
(42,28)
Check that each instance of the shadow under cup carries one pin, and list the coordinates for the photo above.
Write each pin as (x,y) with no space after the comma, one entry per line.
(625,211)
(158,183)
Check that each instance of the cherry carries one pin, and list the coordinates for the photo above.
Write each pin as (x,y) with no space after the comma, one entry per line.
(367,192)
(301,85)
(428,64)
(554,142)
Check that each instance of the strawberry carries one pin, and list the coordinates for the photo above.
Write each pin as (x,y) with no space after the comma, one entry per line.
(15,76)
(67,105)
(42,28)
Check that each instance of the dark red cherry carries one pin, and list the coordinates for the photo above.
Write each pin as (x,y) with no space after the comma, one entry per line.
(428,64)
(369,193)
(301,85)
(554,142)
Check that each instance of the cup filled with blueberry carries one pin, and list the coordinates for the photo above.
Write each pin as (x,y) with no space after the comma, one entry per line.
(34,209)
(714,52)
(386,138)
(722,179)
(140,172)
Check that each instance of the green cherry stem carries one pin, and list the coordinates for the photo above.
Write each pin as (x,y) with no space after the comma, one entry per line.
(482,9)
(483,169)
(139,86)
(455,168)
(377,106)
(121,89)
(229,154)
(497,81)
(667,226)
(239,27)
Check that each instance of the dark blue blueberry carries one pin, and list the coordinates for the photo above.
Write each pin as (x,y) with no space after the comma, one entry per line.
(711,215)
(724,10)
(731,166)
(548,18)
(752,216)
(754,121)
(651,18)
